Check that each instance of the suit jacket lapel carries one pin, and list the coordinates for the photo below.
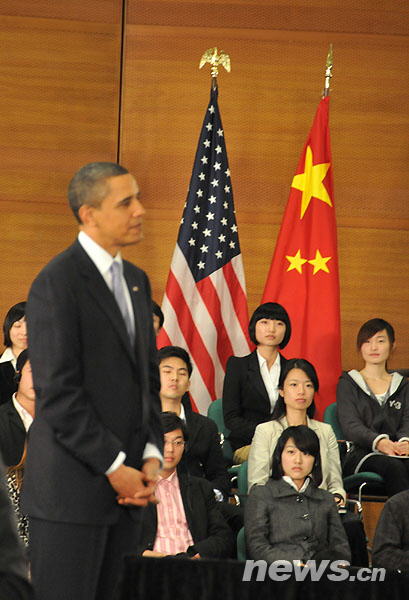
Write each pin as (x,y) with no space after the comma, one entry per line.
(102,295)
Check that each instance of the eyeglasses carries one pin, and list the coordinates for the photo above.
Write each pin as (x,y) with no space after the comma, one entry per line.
(174,443)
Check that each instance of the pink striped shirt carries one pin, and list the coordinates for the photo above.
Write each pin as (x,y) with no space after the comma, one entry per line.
(172,534)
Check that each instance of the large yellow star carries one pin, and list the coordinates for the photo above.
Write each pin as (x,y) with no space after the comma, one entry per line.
(310,182)
(320,262)
(296,262)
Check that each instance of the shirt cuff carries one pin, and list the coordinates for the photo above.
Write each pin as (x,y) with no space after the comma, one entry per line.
(151,451)
(404,439)
(218,495)
(382,436)
(120,459)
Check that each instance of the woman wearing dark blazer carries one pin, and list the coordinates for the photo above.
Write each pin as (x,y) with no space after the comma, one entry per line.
(251,383)
(15,340)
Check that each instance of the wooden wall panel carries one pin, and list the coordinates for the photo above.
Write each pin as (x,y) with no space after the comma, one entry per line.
(60,74)
(268,101)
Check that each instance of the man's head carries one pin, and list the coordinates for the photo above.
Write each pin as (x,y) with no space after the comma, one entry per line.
(175,369)
(175,438)
(24,378)
(158,317)
(104,198)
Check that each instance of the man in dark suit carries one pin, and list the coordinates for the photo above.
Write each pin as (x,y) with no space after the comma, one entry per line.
(187,520)
(94,448)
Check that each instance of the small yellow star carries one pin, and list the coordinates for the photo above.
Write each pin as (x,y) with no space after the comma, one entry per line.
(310,182)
(296,262)
(320,262)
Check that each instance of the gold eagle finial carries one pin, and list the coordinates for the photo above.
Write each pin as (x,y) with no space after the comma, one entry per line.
(215,59)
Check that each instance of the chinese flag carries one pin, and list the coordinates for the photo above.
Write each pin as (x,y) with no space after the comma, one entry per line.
(303,275)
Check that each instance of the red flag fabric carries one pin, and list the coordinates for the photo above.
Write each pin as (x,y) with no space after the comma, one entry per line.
(303,275)
(205,303)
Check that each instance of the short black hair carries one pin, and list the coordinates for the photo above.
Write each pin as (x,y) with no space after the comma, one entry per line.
(371,327)
(170,422)
(178,352)
(15,313)
(88,186)
(306,440)
(156,309)
(270,310)
(21,361)
(295,363)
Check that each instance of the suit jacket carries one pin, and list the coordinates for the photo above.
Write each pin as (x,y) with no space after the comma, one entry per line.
(211,535)
(203,455)
(283,524)
(7,384)
(391,541)
(12,435)
(265,440)
(245,399)
(96,394)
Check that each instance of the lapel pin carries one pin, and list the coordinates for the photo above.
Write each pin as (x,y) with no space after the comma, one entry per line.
(135,288)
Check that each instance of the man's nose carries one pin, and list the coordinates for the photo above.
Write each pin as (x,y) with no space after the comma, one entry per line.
(138,208)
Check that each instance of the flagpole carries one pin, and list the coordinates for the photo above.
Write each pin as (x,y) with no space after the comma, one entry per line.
(215,59)
(328,73)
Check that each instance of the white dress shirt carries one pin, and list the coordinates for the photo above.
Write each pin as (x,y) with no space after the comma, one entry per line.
(23,413)
(8,356)
(270,377)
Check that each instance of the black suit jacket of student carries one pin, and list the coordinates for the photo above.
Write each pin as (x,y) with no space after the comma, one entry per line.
(12,435)
(96,394)
(212,537)
(8,385)
(203,453)
(245,399)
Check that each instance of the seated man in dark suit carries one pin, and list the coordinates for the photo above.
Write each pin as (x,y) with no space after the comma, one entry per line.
(186,521)
(17,414)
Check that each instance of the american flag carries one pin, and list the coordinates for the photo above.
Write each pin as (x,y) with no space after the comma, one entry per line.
(205,303)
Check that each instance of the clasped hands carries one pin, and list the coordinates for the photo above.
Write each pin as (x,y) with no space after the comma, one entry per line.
(390,448)
(135,487)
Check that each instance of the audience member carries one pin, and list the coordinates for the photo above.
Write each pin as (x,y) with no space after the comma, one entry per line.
(186,520)
(290,518)
(391,542)
(15,340)
(373,410)
(158,317)
(16,417)
(250,385)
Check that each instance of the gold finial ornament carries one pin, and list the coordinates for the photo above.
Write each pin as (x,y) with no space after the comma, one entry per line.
(328,72)
(215,59)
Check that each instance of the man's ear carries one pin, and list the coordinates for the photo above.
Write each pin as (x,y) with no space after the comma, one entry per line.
(86,214)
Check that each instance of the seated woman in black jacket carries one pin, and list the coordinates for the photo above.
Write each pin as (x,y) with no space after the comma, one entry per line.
(290,518)
(373,410)
(250,388)
(15,340)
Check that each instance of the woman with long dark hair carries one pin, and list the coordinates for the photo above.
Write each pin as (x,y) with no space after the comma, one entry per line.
(373,410)
(295,406)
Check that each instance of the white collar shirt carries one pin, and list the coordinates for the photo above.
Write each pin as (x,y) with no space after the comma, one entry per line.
(270,377)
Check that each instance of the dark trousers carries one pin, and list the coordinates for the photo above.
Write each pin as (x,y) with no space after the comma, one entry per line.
(395,472)
(80,562)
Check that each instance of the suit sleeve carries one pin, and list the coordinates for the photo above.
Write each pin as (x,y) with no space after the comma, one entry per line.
(55,354)
(403,430)
(240,428)
(260,457)
(337,540)
(213,463)
(219,540)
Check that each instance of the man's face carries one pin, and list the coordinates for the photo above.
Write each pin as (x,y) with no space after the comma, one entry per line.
(173,447)
(117,221)
(25,386)
(174,378)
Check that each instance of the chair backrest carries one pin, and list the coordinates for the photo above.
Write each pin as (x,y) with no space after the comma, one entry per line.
(331,417)
(241,545)
(215,412)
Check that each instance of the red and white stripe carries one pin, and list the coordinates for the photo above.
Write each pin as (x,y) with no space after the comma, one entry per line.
(209,319)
